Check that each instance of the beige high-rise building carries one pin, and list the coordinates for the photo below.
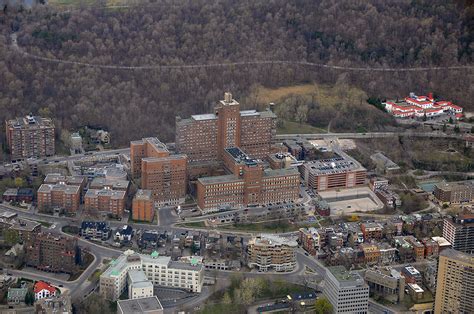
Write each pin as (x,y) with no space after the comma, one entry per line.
(272,252)
(455,283)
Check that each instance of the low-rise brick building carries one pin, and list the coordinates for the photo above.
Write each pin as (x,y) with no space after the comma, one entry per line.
(59,196)
(105,200)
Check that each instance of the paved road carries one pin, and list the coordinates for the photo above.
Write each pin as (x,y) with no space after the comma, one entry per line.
(366,135)
(378,308)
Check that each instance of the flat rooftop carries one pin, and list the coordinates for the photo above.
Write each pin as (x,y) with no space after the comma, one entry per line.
(114,194)
(337,164)
(240,157)
(274,240)
(69,189)
(30,122)
(220,179)
(153,141)
(116,184)
(343,276)
(24,224)
(167,158)
(142,305)
(460,256)
(450,186)
(144,195)
(205,116)
(54,178)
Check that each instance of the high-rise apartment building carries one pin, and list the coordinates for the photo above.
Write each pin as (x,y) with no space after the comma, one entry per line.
(142,206)
(248,184)
(203,138)
(346,291)
(459,231)
(53,253)
(271,252)
(30,136)
(164,174)
(455,283)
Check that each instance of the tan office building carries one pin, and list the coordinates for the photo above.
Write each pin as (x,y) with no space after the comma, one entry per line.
(455,283)
(30,136)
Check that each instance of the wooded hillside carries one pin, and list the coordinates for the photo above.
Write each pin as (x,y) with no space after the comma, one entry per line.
(136,103)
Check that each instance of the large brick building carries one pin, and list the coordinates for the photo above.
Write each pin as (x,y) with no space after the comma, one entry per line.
(30,136)
(455,192)
(162,173)
(339,171)
(203,138)
(142,206)
(105,200)
(248,184)
(59,196)
(53,253)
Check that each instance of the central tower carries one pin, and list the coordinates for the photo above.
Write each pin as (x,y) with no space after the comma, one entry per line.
(228,123)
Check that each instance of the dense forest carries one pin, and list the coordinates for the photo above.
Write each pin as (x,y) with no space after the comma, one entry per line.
(143,102)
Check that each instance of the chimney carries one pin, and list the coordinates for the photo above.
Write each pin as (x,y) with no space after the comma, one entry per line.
(227,97)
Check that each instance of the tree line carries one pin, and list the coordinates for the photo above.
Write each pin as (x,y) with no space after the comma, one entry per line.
(132,104)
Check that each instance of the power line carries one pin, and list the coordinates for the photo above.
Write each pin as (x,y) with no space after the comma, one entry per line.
(238,63)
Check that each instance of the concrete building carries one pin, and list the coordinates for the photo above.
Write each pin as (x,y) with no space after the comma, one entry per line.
(30,136)
(105,200)
(204,137)
(160,270)
(455,283)
(271,252)
(346,291)
(142,206)
(387,282)
(455,192)
(340,171)
(148,305)
(164,174)
(459,232)
(248,184)
(52,253)
(59,196)
(138,285)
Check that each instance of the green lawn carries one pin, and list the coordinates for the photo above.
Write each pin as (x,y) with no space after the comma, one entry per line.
(44,223)
(291,127)
(196,224)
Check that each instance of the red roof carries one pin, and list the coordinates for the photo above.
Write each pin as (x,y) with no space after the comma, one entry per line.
(41,285)
(454,106)
(459,115)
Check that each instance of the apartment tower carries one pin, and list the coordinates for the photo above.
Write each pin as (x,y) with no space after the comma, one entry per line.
(455,282)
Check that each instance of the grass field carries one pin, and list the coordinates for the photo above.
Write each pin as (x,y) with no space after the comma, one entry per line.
(324,95)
